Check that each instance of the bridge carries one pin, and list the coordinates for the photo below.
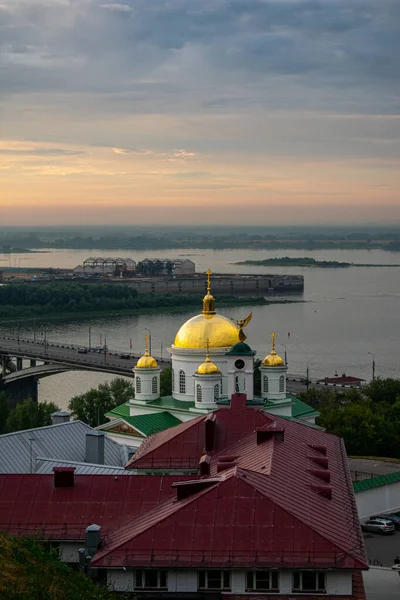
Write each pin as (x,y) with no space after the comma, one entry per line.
(55,358)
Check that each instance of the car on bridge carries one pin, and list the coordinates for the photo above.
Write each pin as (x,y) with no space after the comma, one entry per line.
(82,350)
(124,355)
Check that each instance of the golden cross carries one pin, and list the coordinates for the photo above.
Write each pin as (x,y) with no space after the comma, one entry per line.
(147,342)
(208,272)
(208,348)
(273,335)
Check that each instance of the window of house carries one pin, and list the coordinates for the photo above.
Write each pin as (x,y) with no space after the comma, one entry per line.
(198,393)
(309,581)
(216,391)
(150,579)
(154,385)
(138,385)
(281,383)
(265,384)
(173,380)
(214,580)
(182,382)
(267,581)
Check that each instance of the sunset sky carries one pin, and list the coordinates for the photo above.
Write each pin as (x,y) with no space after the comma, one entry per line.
(199,111)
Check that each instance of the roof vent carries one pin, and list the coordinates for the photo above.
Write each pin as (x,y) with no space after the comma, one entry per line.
(320,449)
(204,465)
(184,489)
(223,466)
(267,434)
(60,416)
(209,427)
(63,477)
(323,490)
(321,461)
(321,474)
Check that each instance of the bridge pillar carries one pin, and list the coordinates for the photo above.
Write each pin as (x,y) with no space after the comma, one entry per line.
(19,363)
(20,390)
(33,362)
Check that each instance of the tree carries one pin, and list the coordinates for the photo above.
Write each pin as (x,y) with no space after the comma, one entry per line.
(4,412)
(166,382)
(29,414)
(383,390)
(92,406)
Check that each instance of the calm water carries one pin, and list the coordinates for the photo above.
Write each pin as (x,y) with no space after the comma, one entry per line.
(348,313)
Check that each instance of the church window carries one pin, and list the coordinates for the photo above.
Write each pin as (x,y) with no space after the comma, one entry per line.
(266,581)
(154,385)
(265,384)
(237,384)
(214,580)
(182,382)
(151,579)
(309,581)
(199,396)
(173,380)
(216,391)
(138,385)
(281,383)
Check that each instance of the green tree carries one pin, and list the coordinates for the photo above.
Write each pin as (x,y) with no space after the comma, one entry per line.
(30,414)
(383,390)
(4,412)
(92,406)
(166,382)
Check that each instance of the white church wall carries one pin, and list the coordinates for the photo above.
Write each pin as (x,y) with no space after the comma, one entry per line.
(377,500)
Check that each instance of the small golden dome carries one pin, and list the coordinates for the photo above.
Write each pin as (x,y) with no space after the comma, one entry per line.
(273,360)
(208,367)
(146,361)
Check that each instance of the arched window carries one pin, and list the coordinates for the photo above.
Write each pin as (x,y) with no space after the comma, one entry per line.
(237,384)
(173,380)
(154,386)
(182,382)
(216,391)
(281,383)
(138,385)
(198,393)
(265,384)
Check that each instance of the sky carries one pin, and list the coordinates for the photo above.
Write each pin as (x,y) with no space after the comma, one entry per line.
(266,112)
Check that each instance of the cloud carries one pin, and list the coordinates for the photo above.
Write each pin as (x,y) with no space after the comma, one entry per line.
(175,155)
(124,8)
(40,152)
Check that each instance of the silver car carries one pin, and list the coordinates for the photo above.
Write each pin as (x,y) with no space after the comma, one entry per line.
(378,525)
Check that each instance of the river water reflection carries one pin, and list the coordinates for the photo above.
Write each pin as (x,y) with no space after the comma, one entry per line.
(347,314)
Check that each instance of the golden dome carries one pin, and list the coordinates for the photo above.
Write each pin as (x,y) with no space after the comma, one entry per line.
(146,361)
(273,360)
(221,332)
(218,330)
(208,367)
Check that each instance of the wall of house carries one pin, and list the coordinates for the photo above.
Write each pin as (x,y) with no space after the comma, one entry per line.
(69,551)
(185,580)
(385,498)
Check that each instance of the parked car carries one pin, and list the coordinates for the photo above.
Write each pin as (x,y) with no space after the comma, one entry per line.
(395,519)
(126,355)
(378,525)
(82,350)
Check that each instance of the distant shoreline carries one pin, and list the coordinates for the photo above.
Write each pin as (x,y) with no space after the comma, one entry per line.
(286,261)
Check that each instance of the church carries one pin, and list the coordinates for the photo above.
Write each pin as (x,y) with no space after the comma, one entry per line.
(210,361)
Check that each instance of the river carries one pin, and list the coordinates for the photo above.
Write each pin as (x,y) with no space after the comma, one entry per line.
(348,315)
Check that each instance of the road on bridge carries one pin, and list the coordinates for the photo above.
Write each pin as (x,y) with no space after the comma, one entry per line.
(68,355)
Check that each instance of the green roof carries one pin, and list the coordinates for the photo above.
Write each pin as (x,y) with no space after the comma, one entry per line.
(119,411)
(241,349)
(153,423)
(301,409)
(374,482)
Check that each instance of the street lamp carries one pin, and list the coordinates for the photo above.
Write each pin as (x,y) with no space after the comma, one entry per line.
(308,374)
(147,329)
(284,345)
(373,366)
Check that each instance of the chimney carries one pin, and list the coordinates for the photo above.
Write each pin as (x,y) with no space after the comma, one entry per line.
(60,417)
(63,477)
(238,401)
(209,427)
(95,448)
(93,539)
(204,465)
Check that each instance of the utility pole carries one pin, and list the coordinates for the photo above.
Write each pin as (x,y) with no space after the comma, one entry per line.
(373,366)
(90,338)
(307,377)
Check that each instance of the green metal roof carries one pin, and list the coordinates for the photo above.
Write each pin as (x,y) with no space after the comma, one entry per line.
(119,411)
(374,482)
(153,423)
(241,349)
(301,409)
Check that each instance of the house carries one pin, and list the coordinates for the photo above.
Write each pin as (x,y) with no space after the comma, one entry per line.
(234,503)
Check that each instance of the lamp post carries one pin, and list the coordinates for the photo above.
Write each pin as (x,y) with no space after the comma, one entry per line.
(284,345)
(90,338)
(147,329)
(308,374)
(373,366)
